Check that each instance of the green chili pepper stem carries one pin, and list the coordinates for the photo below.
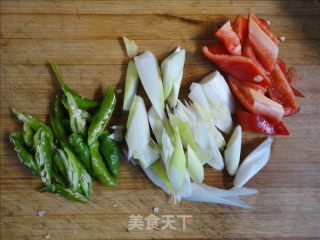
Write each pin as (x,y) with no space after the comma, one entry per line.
(110,152)
(43,154)
(81,150)
(33,122)
(100,170)
(102,116)
(25,157)
(82,102)
(65,192)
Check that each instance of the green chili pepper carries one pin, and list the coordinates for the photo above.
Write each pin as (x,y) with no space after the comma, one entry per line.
(82,102)
(66,192)
(110,152)
(43,155)
(102,116)
(25,157)
(81,149)
(58,178)
(59,164)
(28,135)
(57,125)
(78,117)
(71,166)
(32,122)
(66,125)
(100,170)
(85,181)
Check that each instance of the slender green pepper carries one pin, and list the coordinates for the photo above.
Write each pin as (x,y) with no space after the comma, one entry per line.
(102,116)
(71,166)
(100,170)
(43,155)
(58,178)
(34,123)
(82,102)
(28,135)
(81,149)
(57,125)
(59,164)
(25,157)
(66,192)
(78,117)
(110,152)
(85,181)
(66,125)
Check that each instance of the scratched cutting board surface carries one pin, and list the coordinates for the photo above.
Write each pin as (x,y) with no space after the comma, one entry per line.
(82,37)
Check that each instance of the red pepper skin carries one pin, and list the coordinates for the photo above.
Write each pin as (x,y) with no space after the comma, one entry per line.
(253,99)
(242,68)
(281,92)
(256,123)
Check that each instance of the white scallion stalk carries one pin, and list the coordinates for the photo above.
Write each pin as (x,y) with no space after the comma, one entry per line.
(150,154)
(177,164)
(156,124)
(216,83)
(204,194)
(138,133)
(174,94)
(194,166)
(131,47)
(253,163)
(167,148)
(197,95)
(157,174)
(133,161)
(172,69)
(232,192)
(206,140)
(207,101)
(184,130)
(132,79)
(150,77)
(233,150)
(185,191)
(200,127)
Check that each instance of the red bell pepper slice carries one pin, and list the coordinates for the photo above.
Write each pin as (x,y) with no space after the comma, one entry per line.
(281,92)
(240,26)
(254,101)
(256,123)
(218,48)
(264,26)
(291,75)
(249,53)
(296,92)
(240,67)
(256,87)
(266,50)
(229,38)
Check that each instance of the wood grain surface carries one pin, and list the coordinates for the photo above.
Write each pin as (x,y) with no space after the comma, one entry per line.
(83,38)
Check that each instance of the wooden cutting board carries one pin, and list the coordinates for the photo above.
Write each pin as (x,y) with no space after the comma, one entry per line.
(83,38)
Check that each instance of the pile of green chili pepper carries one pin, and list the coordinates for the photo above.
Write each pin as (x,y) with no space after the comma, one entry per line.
(74,148)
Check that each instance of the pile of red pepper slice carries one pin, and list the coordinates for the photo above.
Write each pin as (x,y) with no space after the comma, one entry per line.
(247,53)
